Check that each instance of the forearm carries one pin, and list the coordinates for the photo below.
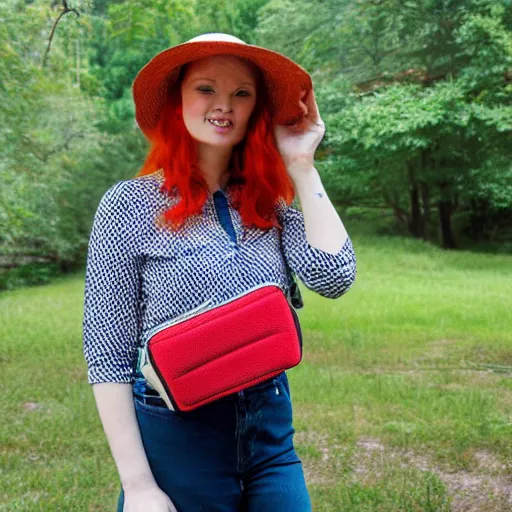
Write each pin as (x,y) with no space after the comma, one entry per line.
(117,413)
(324,228)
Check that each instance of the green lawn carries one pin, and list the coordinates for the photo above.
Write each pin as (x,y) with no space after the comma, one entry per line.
(403,401)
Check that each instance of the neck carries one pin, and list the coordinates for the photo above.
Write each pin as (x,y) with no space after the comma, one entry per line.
(214,165)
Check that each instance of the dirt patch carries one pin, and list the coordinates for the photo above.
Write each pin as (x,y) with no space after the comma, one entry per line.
(31,406)
(370,444)
(478,493)
(322,469)
(489,462)
(488,488)
(437,349)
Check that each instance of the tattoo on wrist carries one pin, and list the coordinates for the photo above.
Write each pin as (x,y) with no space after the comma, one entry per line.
(319,194)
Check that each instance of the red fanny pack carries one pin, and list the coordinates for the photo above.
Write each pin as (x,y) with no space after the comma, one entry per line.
(211,352)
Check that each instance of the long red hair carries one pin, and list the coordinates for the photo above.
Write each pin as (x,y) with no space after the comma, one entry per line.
(258,175)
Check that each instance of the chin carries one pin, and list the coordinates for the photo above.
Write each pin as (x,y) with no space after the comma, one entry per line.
(220,141)
(217,143)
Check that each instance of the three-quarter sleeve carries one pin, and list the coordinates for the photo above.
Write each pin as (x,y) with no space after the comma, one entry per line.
(329,275)
(111,318)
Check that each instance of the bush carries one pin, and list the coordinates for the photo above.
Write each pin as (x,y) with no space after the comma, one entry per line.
(28,275)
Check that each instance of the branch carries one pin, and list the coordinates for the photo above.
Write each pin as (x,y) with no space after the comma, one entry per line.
(65,11)
(44,156)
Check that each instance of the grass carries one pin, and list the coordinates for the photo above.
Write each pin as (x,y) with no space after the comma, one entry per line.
(403,401)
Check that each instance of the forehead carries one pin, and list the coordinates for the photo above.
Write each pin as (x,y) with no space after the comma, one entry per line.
(221,66)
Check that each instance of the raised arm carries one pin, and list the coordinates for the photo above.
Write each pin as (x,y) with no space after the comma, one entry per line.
(315,242)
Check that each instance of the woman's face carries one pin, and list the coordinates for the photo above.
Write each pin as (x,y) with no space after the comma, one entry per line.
(221,88)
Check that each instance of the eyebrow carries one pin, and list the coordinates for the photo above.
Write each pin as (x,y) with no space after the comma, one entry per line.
(212,80)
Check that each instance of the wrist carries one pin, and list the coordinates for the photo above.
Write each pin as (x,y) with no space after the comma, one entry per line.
(306,179)
(300,166)
(138,483)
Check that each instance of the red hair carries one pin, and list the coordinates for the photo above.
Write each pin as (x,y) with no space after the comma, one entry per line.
(257,173)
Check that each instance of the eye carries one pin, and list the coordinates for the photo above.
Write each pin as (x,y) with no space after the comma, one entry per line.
(206,90)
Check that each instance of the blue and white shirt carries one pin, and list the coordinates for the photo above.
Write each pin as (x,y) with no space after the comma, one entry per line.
(140,274)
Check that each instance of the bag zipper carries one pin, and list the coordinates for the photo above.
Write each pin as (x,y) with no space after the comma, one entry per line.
(205,306)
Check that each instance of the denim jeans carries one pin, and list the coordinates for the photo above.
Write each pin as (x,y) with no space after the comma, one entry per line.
(233,455)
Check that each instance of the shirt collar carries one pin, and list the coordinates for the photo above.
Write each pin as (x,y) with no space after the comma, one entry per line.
(226,191)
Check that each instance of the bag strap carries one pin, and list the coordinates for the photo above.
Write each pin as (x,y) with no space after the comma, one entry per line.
(294,295)
(294,292)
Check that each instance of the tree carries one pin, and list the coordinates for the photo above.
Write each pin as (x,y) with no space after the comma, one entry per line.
(427,105)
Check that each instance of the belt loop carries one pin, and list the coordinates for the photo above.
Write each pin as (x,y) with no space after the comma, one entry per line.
(276,385)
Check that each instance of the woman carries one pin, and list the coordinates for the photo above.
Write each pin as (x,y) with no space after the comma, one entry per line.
(209,215)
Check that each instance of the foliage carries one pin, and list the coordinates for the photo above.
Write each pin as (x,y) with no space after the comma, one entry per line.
(416,96)
(427,122)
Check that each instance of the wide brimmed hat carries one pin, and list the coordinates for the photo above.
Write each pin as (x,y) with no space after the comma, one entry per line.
(285,80)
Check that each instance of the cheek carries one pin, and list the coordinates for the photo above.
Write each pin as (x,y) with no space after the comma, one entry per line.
(196,114)
(194,108)
(246,112)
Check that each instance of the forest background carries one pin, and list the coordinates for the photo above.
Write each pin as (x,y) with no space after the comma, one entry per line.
(416,97)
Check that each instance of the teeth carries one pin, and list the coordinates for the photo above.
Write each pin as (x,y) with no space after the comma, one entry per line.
(219,123)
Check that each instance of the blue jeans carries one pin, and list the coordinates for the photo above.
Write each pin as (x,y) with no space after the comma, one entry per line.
(232,455)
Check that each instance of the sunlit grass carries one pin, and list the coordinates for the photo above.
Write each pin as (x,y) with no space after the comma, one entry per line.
(405,379)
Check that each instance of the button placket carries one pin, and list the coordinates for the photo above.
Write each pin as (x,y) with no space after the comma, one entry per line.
(223,203)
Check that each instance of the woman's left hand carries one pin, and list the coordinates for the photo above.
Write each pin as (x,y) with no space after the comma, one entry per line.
(297,143)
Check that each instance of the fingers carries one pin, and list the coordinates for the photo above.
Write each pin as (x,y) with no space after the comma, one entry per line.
(310,108)
(302,105)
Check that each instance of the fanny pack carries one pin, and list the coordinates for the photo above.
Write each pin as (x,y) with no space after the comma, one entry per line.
(216,350)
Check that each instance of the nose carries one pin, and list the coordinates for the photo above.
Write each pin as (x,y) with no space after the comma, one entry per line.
(222,103)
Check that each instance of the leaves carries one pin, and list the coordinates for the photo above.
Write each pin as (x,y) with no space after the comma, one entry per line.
(416,95)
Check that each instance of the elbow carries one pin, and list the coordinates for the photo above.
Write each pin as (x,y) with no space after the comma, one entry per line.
(334,284)
(345,281)
(345,276)
(329,275)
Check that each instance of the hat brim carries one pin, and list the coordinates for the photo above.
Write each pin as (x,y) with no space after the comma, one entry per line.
(284,78)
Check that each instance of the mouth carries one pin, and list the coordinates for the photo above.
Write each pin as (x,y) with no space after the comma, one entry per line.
(220,123)
(221,126)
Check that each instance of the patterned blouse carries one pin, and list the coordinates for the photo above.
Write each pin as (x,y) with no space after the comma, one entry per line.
(140,274)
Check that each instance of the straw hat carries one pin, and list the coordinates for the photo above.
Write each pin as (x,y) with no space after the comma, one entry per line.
(284,78)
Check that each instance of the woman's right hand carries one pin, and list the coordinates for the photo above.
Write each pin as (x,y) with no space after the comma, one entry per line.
(151,499)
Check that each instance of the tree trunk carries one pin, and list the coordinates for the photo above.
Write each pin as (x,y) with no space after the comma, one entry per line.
(445,218)
(415,224)
(425,199)
(416,221)
(425,193)
(401,214)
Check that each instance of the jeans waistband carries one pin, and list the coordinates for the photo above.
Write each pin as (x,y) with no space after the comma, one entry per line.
(149,396)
